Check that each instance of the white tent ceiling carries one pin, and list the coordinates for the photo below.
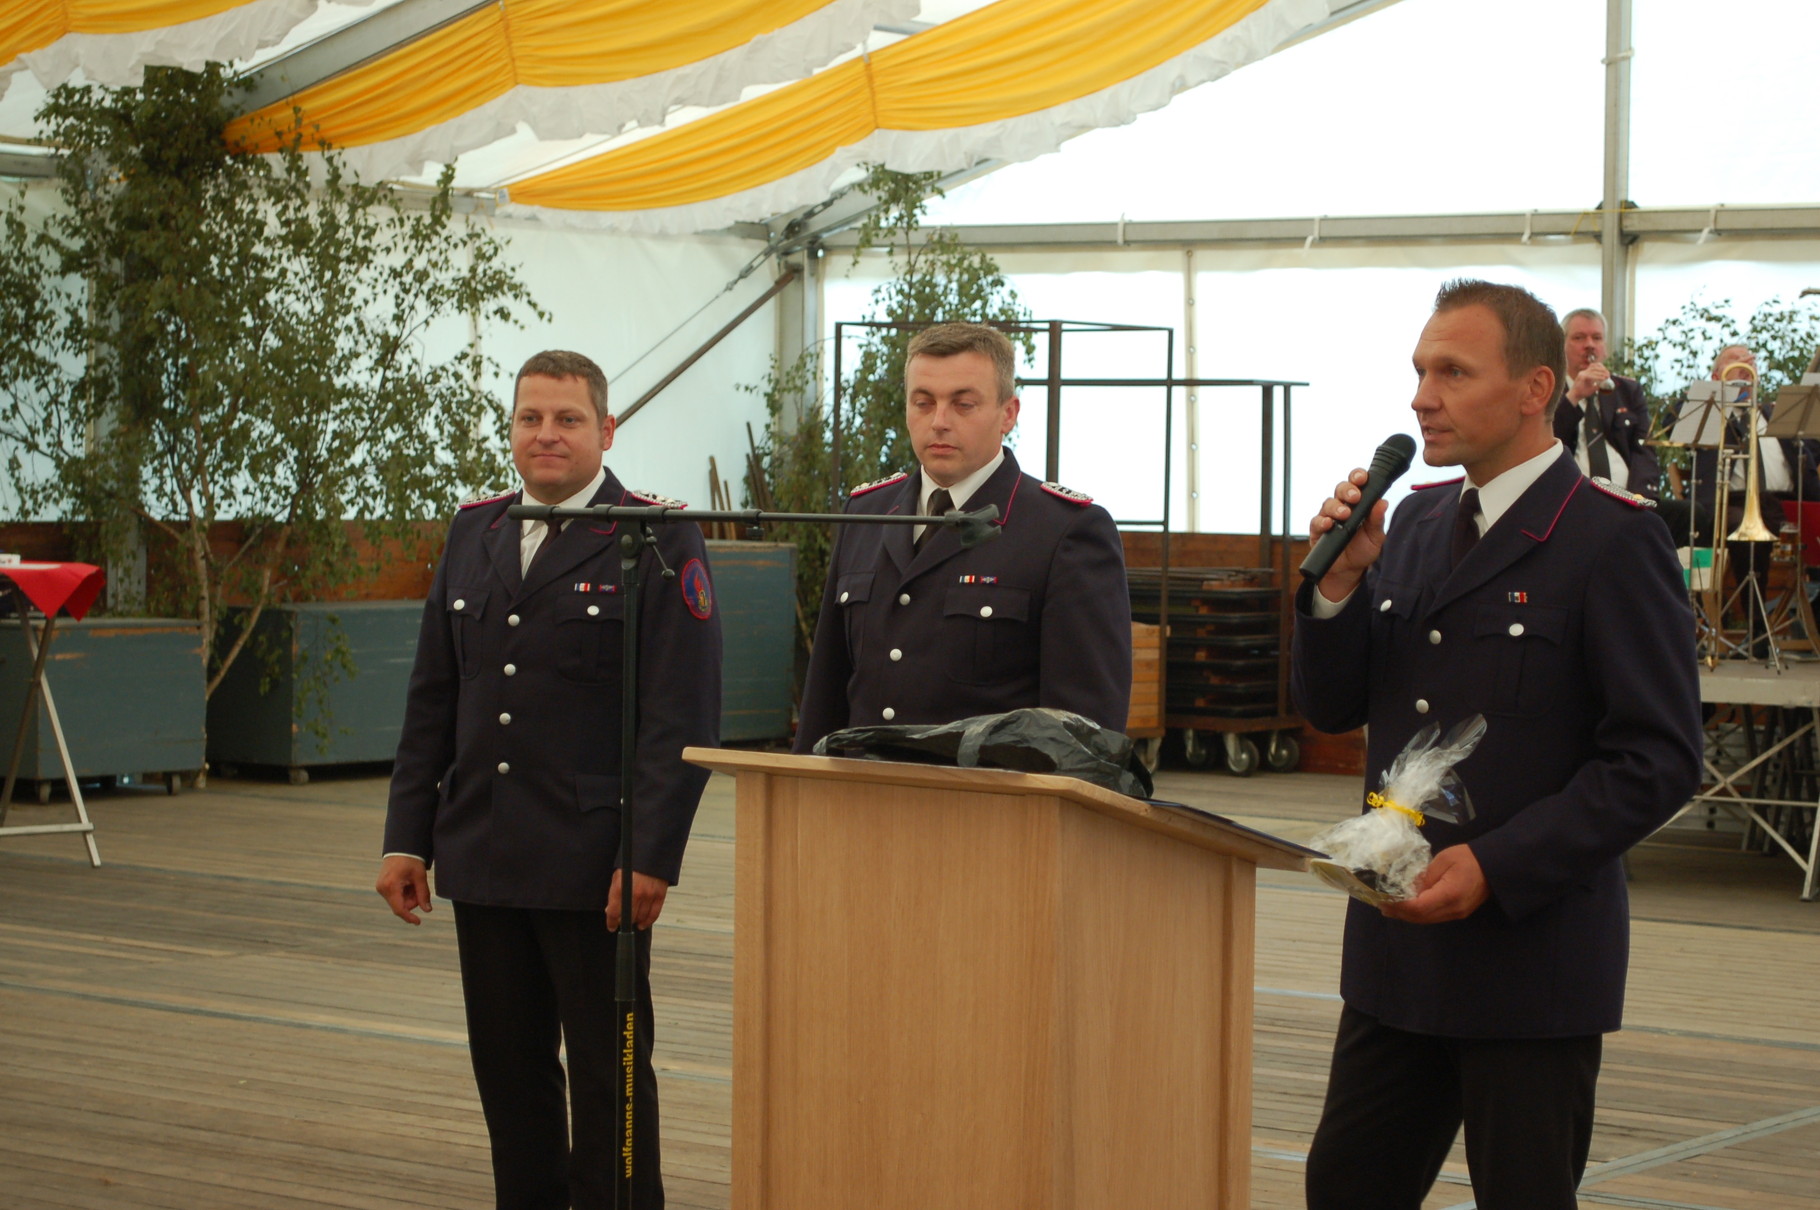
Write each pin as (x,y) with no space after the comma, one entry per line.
(273,41)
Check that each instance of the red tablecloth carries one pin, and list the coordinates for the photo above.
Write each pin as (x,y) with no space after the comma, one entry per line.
(55,586)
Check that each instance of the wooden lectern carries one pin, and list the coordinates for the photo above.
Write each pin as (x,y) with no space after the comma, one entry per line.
(977,988)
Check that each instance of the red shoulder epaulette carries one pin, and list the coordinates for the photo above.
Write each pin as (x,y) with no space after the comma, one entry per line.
(488,500)
(1422,487)
(1067,493)
(654,498)
(873,486)
(1617,493)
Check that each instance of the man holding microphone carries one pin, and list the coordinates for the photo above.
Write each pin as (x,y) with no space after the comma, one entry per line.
(1551,605)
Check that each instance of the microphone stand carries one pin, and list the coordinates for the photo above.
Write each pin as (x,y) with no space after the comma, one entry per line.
(974,528)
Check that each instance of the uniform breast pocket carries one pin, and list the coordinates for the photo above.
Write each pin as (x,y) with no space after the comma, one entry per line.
(987,633)
(1393,612)
(467,610)
(851,593)
(589,634)
(1518,649)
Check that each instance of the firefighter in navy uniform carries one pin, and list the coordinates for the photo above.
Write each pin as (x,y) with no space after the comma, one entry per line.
(507,784)
(916,628)
(1552,605)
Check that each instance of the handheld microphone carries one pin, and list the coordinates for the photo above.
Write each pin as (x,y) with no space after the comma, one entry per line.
(1387,466)
(1607,387)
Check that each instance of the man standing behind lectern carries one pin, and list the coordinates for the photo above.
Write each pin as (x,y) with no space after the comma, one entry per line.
(916,628)
(507,783)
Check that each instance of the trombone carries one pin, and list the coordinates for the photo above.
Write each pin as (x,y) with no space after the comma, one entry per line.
(1750,526)
(1750,529)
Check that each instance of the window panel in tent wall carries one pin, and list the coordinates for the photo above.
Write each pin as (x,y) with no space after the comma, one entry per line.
(1346,322)
(1747,272)
(613,297)
(1424,107)
(1112,437)
(1723,101)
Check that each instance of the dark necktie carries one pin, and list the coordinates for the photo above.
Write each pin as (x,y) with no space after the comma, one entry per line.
(1466,524)
(1598,455)
(940,502)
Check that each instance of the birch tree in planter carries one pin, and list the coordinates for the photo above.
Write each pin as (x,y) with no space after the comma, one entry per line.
(195,336)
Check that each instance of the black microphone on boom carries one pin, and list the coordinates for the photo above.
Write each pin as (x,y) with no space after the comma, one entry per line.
(1387,466)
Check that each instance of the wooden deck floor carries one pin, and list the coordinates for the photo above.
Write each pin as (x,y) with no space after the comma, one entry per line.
(225,1015)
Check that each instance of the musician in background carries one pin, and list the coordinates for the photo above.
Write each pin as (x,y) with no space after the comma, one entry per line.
(1603,419)
(1786,470)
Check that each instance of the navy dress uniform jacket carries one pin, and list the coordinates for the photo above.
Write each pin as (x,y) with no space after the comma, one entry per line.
(508,768)
(1625,416)
(1568,628)
(1039,616)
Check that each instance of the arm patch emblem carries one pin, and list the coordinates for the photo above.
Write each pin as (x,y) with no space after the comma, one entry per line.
(697,590)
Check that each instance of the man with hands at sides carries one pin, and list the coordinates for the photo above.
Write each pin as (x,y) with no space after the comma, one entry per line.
(507,783)
(1553,606)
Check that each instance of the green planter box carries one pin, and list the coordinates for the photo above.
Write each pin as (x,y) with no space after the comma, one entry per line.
(755,583)
(305,716)
(129,692)
(285,726)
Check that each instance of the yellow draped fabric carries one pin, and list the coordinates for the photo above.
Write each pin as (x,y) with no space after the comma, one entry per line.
(1009,59)
(28,25)
(537,43)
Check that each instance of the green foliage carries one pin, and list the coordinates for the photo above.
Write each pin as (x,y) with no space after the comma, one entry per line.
(1782,334)
(197,336)
(937,279)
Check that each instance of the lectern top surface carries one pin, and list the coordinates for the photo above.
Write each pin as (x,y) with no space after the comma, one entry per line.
(1185,823)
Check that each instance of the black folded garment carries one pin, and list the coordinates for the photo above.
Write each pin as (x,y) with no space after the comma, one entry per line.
(1031,740)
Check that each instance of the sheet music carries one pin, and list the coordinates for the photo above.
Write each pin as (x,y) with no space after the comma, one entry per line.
(1702,420)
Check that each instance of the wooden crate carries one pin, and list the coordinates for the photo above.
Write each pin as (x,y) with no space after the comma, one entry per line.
(755,585)
(1146,718)
(129,692)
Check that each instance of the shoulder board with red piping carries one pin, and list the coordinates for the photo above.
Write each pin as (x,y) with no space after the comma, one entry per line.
(488,500)
(1422,487)
(1617,493)
(1067,493)
(873,486)
(654,498)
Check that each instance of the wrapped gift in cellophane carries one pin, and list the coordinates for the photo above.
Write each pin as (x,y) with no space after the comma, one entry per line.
(1377,857)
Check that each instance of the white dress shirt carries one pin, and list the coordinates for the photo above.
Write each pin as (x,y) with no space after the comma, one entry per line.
(1620,473)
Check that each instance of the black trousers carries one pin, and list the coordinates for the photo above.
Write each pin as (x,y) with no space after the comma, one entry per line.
(1395,1100)
(532,980)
